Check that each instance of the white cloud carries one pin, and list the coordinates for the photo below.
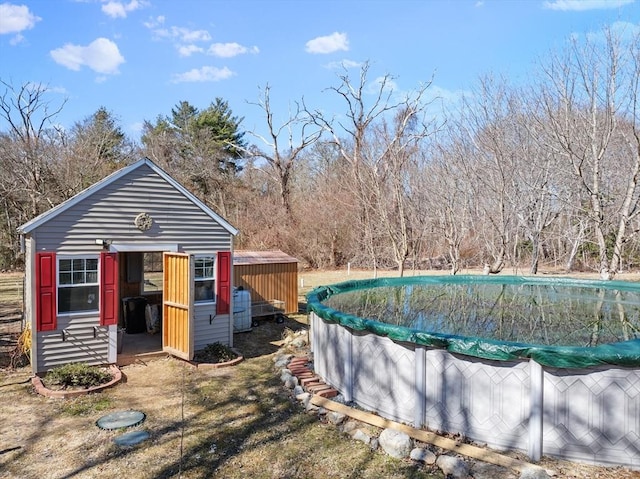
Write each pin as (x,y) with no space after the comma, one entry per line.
(582,5)
(344,64)
(188,50)
(16,39)
(385,83)
(119,9)
(626,30)
(16,18)
(154,23)
(101,55)
(186,35)
(228,50)
(204,74)
(328,44)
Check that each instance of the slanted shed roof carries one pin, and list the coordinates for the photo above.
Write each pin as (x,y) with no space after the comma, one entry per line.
(64,206)
(262,257)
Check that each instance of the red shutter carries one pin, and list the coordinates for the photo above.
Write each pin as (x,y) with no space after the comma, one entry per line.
(46,312)
(223,281)
(108,289)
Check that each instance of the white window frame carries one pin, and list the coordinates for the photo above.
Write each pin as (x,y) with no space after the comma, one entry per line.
(202,279)
(94,300)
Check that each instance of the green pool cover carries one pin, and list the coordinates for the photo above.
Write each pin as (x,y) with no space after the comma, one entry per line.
(623,353)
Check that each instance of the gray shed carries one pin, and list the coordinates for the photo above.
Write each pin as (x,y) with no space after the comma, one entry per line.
(135,238)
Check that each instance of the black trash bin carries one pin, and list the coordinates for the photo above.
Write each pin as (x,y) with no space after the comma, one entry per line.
(135,315)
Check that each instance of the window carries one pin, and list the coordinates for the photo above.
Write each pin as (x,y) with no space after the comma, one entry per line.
(78,284)
(152,281)
(204,279)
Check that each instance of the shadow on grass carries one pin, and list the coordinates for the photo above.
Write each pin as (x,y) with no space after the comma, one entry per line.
(264,339)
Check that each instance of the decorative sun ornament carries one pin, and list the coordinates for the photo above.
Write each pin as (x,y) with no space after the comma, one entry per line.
(143,221)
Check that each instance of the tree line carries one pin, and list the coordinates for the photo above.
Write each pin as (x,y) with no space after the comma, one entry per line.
(543,173)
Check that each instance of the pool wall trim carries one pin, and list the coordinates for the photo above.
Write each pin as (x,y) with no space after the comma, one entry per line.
(589,415)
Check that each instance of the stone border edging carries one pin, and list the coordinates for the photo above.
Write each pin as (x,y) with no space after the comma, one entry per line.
(41,389)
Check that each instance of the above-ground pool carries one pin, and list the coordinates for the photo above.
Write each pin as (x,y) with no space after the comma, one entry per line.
(547,366)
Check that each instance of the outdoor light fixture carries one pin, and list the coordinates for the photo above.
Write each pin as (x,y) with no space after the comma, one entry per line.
(103,242)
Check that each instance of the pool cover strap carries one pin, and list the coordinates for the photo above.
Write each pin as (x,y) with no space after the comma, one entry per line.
(625,353)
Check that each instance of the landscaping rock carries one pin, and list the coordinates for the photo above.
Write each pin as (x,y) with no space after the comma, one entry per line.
(361,436)
(534,473)
(297,391)
(281,362)
(452,466)
(336,417)
(349,426)
(395,443)
(291,382)
(309,407)
(425,456)
(304,398)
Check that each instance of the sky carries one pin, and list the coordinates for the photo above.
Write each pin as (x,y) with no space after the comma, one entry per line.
(140,58)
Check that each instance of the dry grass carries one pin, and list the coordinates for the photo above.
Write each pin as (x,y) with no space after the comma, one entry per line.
(237,422)
(11,289)
(234,423)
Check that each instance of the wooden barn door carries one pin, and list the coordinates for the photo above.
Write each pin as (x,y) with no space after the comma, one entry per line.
(177,305)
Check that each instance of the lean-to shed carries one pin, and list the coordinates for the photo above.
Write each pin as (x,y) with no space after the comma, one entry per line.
(136,237)
(268,275)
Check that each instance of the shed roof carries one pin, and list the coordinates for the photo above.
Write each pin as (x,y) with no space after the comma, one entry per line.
(62,207)
(262,257)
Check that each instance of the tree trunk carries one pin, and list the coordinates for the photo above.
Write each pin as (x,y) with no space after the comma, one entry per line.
(535,253)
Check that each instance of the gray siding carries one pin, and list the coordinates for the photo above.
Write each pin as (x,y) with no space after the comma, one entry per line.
(205,333)
(79,345)
(110,212)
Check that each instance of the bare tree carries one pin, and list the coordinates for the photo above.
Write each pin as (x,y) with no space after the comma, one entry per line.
(28,142)
(377,160)
(392,177)
(537,194)
(446,199)
(93,148)
(588,91)
(325,208)
(485,153)
(280,158)
(29,121)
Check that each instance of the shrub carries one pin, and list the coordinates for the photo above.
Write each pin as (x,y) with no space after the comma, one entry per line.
(77,375)
(215,353)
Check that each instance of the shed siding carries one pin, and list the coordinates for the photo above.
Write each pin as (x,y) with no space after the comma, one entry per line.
(270,281)
(78,346)
(205,333)
(110,212)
